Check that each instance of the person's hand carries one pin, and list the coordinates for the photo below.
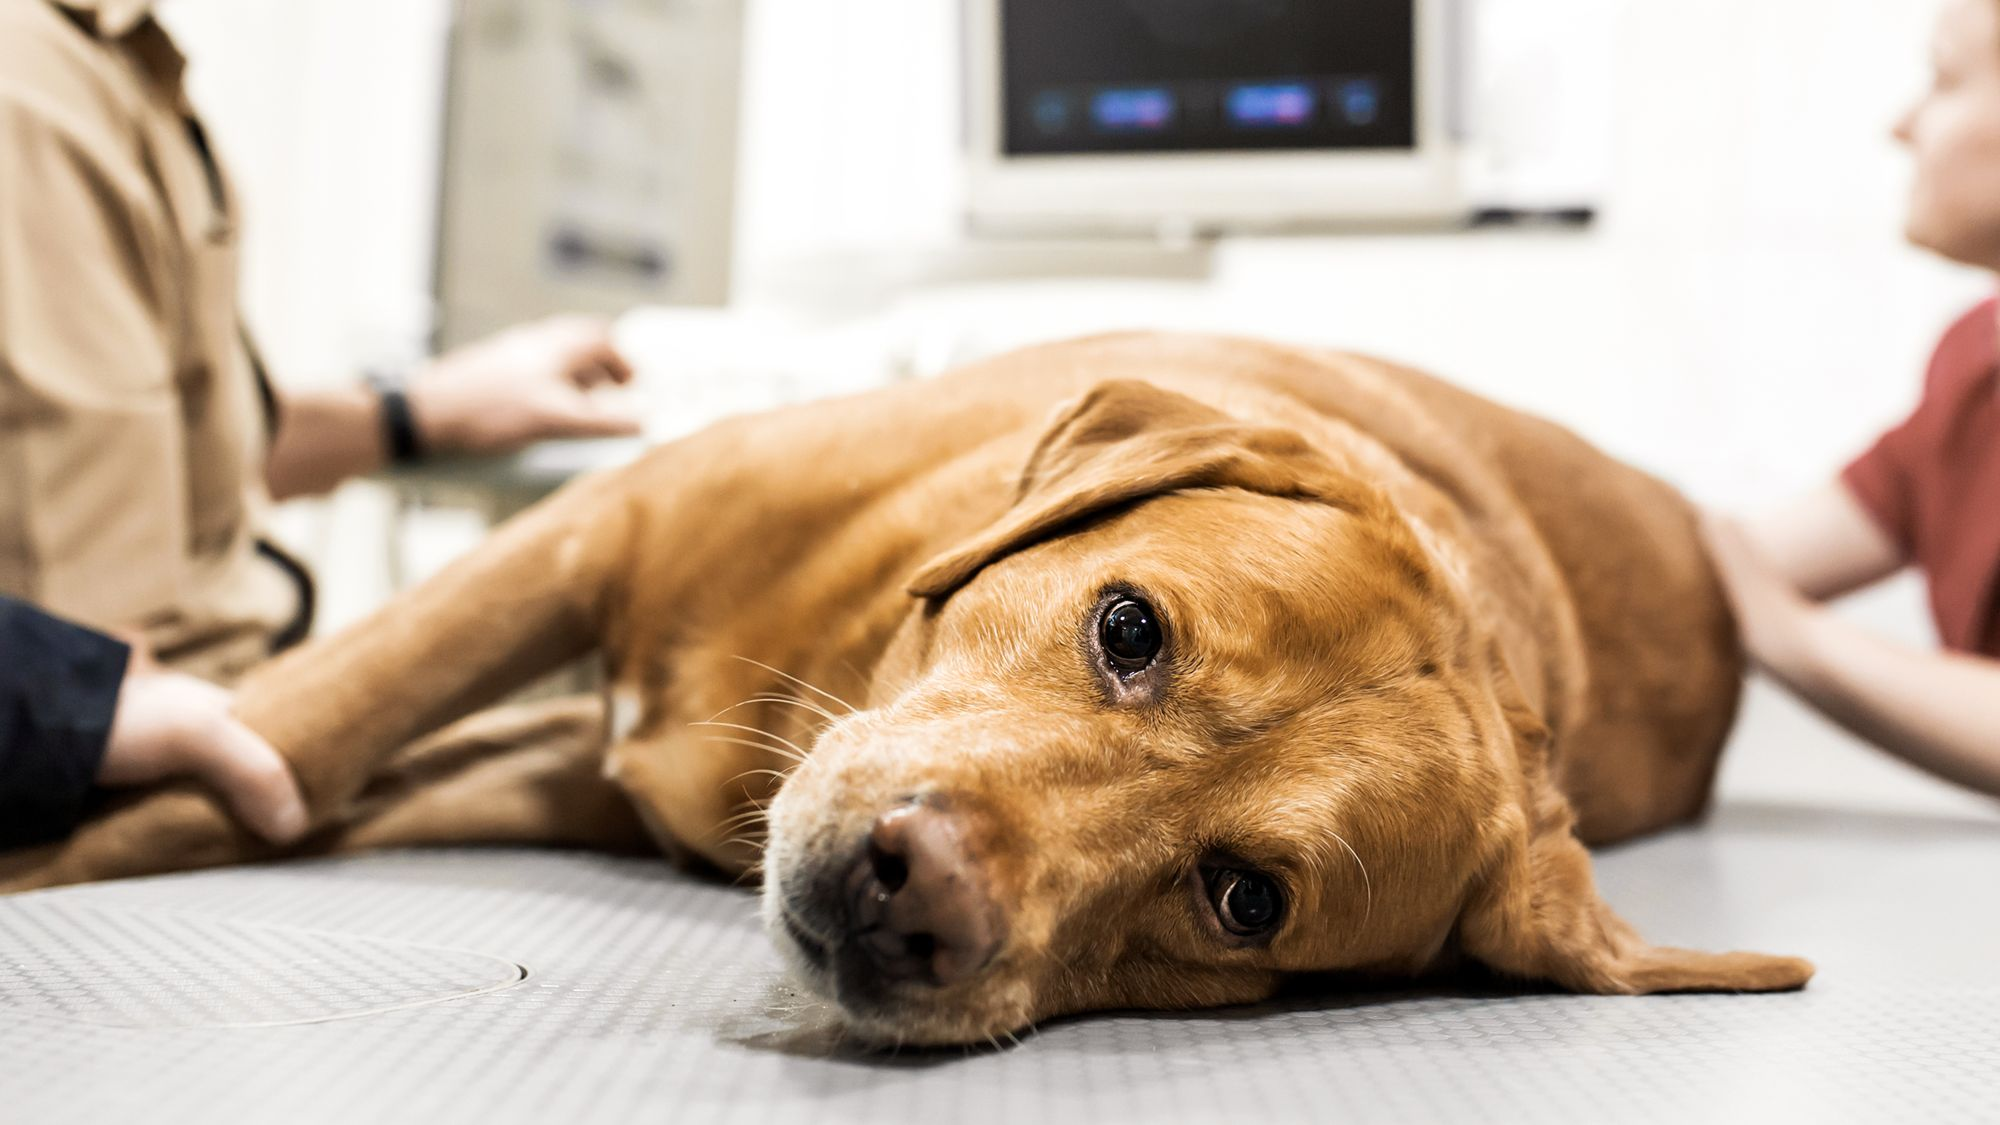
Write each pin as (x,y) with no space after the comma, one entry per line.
(1774,617)
(528,383)
(169,725)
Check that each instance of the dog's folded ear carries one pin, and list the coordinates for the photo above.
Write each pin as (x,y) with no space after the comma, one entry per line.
(1125,440)
(1535,912)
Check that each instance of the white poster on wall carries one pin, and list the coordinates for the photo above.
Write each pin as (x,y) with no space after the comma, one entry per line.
(590,158)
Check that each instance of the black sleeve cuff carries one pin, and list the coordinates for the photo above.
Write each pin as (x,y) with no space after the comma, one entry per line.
(58,692)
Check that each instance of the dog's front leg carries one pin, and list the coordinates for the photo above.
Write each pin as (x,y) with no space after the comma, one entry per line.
(529,600)
(526,602)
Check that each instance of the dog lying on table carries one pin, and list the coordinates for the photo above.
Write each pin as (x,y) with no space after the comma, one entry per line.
(1129,672)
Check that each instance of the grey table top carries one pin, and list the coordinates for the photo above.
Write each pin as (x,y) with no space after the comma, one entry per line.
(499,986)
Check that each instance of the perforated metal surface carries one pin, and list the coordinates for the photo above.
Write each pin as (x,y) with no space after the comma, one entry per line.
(651,997)
(150,968)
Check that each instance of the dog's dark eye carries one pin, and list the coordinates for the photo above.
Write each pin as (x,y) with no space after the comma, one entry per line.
(1131,635)
(1248,903)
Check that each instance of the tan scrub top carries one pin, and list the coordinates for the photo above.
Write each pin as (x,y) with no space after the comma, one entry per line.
(134,417)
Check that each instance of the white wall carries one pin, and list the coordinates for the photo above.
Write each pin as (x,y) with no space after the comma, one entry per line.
(328,113)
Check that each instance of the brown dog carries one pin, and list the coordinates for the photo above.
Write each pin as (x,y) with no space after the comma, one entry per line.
(1135,672)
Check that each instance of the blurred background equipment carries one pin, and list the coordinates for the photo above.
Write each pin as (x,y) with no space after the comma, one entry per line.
(1745,262)
(1202,115)
(589,159)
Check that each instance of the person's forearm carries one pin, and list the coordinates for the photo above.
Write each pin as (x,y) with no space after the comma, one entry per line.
(1937,711)
(326,437)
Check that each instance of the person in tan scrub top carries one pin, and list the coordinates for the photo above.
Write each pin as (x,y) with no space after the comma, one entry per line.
(141,441)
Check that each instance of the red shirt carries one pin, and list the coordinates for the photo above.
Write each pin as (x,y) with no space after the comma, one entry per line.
(1933,483)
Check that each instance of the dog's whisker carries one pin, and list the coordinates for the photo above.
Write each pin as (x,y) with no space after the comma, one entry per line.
(815,689)
(780,751)
(795,747)
(756,745)
(735,823)
(795,701)
(747,816)
(775,775)
(1367,883)
(752,807)
(859,676)
(792,700)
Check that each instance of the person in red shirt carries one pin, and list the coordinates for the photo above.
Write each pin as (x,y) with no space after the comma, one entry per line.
(1926,495)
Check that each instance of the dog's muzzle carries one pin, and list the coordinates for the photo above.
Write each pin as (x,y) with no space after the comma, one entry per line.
(910,912)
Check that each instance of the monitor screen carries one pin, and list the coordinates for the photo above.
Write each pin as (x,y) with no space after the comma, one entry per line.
(1136,76)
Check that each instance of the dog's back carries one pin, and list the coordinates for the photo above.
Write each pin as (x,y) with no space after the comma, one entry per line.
(1639,742)
(1591,571)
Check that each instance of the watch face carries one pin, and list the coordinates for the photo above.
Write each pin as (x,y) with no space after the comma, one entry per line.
(1125,76)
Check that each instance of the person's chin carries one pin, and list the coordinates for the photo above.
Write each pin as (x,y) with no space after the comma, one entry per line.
(1962,243)
(1916,236)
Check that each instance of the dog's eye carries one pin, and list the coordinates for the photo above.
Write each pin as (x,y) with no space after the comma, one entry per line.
(1247,903)
(1130,635)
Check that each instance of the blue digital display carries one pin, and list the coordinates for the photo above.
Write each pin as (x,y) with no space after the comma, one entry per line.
(1146,110)
(1167,76)
(1275,106)
(1052,111)
(1360,102)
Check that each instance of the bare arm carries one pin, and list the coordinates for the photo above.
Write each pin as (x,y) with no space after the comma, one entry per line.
(528,383)
(326,437)
(1824,544)
(1938,711)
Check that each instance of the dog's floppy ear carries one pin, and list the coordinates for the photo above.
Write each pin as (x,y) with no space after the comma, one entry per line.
(1535,912)
(1125,440)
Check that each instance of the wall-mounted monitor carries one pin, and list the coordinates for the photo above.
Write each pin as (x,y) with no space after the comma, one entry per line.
(1211,114)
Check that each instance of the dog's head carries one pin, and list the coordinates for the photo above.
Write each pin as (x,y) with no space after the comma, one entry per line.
(1200,710)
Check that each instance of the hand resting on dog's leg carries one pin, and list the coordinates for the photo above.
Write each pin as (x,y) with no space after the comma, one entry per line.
(528,602)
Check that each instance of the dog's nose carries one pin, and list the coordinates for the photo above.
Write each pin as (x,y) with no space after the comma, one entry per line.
(922,911)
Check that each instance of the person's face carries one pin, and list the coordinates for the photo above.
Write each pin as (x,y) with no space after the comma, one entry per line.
(1954,134)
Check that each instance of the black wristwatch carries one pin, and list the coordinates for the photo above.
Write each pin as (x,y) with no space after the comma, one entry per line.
(400,435)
